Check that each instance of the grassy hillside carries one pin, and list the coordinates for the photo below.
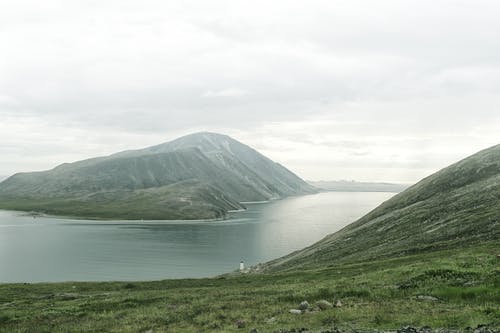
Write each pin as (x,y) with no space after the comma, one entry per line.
(200,176)
(452,289)
(428,257)
(184,200)
(457,206)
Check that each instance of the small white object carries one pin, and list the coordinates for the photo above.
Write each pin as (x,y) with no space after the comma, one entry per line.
(242,265)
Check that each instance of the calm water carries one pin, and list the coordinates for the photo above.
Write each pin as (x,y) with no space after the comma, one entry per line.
(53,249)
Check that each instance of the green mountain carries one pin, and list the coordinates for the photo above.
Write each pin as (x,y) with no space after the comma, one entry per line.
(199,176)
(455,207)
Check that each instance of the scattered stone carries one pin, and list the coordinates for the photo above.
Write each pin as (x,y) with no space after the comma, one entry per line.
(295,311)
(338,304)
(67,296)
(427,298)
(304,305)
(407,329)
(240,323)
(271,320)
(323,305)
(483,329)
(254,330)
(425,329)
(149,331)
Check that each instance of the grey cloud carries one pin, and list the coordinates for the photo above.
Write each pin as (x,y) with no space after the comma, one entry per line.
(352,73)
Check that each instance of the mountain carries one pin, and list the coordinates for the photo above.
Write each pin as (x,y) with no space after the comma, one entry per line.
(199,176)
(354,186)
(455,207)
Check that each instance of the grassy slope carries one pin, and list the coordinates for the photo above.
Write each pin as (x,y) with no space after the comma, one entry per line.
(184,200)
(376,294)
(439,238)
(455,206)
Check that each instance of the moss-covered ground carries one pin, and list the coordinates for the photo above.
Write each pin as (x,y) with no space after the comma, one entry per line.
(380,295)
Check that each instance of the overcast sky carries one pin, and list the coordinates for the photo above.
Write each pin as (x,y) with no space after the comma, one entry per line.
(365,90)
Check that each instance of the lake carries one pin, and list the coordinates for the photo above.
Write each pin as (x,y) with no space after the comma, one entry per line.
(59,249)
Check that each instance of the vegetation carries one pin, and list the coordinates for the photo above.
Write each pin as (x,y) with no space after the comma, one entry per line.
(429,256)
(200,176)
(383,294)
(187,200)
(455,206)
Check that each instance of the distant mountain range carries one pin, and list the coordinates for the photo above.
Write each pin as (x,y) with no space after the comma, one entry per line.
(354,186)
(198,176)
(456,207)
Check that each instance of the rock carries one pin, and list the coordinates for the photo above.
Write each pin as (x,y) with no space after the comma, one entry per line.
(425,329)
(304,305)
(427,298)
(254,330)
(338,304)
(67,296)
(483,329)
(407,329)
(323,305)
(240,323)
(271,320)
(49,296)
(295,311)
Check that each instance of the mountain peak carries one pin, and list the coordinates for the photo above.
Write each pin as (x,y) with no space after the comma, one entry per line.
(207,142)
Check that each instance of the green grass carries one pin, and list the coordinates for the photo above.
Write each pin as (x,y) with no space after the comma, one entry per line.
(162,203)
(375,295)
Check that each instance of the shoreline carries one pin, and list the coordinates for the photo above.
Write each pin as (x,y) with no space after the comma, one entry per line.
(94,220)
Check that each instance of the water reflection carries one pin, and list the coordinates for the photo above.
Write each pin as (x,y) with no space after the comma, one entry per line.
(51,249)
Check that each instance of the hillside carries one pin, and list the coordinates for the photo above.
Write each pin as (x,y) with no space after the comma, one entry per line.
(424,261)
(454,207)
(200,176)
(446,291)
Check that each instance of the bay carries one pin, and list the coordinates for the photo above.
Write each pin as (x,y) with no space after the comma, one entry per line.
(53,249)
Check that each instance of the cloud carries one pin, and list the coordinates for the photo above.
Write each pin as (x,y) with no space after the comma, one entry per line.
(231,92)
(334,82)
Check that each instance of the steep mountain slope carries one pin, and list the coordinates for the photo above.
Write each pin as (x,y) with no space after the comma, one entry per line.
(260,178)
(457,206)
(202,175)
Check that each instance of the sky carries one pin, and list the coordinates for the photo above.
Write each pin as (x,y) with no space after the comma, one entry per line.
(363,90)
